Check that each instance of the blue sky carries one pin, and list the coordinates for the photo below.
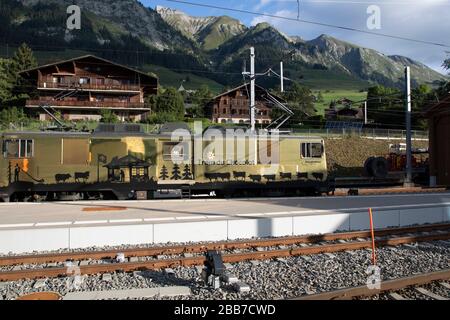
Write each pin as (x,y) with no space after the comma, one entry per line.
(420,19)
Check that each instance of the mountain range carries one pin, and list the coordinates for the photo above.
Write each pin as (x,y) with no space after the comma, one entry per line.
(212,48)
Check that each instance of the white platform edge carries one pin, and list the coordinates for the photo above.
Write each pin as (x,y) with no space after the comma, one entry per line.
(22,238)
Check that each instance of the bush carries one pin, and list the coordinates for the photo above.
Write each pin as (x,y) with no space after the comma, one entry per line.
(170,104)
(108,116)
(162,117)
(13,115)
(205,122)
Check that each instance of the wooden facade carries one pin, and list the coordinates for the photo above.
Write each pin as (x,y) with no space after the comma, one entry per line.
(81,87)
(439,127)
(234,106)
(346,113)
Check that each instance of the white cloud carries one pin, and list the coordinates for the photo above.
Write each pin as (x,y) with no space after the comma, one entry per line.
(261,4)
(423,20)
(277,22)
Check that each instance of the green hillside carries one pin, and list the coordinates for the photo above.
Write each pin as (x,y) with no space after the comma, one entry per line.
(336,94)
(171,78)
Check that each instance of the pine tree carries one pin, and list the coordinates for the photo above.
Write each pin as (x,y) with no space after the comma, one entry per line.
(6,80)
(164,173)
(24,59)
(187,175)
(176,172)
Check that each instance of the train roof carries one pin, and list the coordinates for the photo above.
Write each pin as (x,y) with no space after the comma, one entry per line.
(117,135)
(135,130)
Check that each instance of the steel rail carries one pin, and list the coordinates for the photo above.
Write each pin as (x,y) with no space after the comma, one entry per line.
(388,285)
(200,260)
(222,246)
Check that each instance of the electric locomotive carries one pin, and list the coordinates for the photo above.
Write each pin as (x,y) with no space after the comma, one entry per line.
(122,162)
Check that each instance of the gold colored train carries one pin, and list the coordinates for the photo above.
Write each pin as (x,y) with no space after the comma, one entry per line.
(121,162)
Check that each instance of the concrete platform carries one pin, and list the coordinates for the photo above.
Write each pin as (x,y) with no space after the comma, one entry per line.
(26,227)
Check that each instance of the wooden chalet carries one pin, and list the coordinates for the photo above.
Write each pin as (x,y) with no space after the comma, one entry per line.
(81,87)
(233,106)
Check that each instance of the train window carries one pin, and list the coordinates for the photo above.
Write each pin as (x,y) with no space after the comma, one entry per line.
(21,148)
(312,150)
(316,150)
(174,151)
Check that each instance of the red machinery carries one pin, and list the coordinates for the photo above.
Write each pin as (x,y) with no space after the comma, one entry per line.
(395,162)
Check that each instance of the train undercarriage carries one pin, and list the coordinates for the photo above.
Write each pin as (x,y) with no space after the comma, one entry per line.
(31,192)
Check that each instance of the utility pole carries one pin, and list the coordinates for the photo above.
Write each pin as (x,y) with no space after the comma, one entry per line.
(408,181)
(252,102)
(282,76)
(252,89)
(365,113)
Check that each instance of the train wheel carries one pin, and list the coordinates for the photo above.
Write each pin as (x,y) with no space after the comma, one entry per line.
(380,167)
(368,169)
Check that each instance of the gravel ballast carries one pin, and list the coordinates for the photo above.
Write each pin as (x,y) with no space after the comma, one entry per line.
(271,279)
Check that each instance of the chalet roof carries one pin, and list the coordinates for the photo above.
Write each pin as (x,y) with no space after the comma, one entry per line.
(436,107)
(90,56)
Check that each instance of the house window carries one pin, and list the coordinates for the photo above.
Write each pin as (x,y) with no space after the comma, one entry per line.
(224,111)
(100,98)
(84,80)
(312,150)
(21,148)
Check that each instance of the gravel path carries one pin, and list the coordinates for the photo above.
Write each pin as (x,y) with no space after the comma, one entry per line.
(271,279)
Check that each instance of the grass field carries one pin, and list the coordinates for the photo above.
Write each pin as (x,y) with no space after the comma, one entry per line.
(346,157)
(337,94)
(326,79)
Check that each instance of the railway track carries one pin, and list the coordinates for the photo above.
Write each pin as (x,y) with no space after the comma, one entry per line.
(261,249)
(392,287)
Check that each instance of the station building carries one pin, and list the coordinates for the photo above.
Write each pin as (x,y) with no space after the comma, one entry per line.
(439,126)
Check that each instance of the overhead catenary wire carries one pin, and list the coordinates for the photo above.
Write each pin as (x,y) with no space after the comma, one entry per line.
(328,25)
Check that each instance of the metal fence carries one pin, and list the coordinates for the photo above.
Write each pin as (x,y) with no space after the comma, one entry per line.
(386,134)
(370,133)
(43,125)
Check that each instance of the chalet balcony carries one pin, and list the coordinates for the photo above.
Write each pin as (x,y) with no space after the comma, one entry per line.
(239,116)
(74,83)
(87,104)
